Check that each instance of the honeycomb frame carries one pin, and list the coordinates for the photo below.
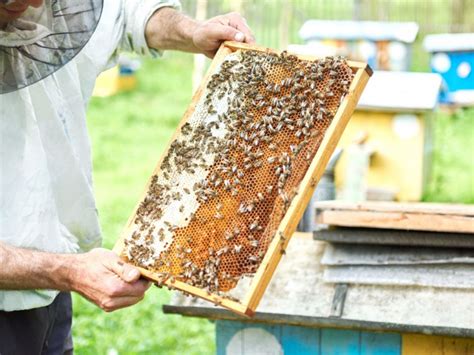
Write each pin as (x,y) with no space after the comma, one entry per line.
(293,211)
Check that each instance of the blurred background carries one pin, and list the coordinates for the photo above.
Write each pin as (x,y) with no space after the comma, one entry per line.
(139,103)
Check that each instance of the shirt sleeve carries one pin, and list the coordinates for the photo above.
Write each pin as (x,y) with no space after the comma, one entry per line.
(121,29)
(136,15)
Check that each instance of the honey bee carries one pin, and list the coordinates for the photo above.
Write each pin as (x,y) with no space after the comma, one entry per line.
(250,207)
(254,225)
(228,235)
(254,243)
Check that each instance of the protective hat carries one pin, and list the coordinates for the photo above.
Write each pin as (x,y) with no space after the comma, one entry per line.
(44,39)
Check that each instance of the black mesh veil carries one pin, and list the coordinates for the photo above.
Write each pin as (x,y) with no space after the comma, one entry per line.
(44,39)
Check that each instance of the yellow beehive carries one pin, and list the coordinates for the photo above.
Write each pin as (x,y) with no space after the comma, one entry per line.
(394,114)
(111,82)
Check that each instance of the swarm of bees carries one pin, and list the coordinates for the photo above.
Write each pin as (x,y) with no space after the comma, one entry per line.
(234,168)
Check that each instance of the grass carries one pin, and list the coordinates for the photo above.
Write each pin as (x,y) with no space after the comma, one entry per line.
(452,173)
(129,132)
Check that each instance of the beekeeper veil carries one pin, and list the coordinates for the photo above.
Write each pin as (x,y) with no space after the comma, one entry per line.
(44,39)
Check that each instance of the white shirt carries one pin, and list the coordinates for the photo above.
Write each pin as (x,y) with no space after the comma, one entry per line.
(46,194)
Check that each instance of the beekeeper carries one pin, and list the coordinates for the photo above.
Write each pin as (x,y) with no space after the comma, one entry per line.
(51,52)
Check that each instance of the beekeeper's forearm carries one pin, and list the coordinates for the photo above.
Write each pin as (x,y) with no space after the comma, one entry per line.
(22,269)
(99,275)
(170,29)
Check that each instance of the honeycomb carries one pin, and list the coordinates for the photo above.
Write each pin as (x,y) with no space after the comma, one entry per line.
(234,167)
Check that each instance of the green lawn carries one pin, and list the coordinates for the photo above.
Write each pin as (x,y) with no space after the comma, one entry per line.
(129,132)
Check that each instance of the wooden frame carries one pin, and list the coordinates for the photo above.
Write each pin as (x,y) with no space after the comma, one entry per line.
(296,209)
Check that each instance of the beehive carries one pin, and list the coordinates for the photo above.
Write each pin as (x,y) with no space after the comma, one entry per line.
(228,193)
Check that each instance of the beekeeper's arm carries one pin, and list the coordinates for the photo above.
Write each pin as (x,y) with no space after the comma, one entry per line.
(170,29)
(150,27)
(99,275)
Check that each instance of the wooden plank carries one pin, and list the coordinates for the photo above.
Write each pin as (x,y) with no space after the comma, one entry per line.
(225,331)
(456,346)
(397,220)
(340,342)
(389,255)
(416,344)
(234,46)
(394,237)
(248,338)
(380,343)
(239,45)
(300,340)
(456,276)
(273,329)
(312,321)
(298,205)
(412,207)
(234,306)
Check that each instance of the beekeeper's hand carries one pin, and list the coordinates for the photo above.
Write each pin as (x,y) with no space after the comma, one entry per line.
(104,279)
(209,35)
(170,29)
(98,275)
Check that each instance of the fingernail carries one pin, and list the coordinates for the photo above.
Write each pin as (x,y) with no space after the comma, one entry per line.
(132,274)
(239,37)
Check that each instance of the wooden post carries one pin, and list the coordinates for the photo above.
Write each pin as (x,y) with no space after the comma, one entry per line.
(458,8)
(199,59)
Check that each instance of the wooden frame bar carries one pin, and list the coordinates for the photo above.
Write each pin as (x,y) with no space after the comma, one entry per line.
(296,209)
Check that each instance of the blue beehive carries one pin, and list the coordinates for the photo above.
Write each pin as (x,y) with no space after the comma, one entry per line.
(453,58)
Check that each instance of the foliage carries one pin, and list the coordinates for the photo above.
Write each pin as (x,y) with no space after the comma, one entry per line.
(452,173)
